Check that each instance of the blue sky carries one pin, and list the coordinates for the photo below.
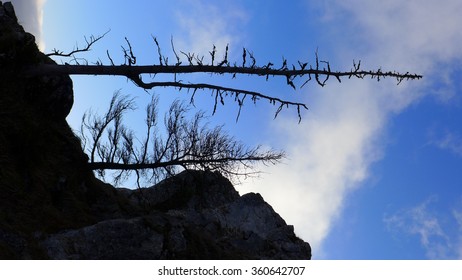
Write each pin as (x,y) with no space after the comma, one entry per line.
(374,168)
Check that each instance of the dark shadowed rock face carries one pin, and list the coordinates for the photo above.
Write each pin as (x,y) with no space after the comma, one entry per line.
(52,206)
(51,95)
(194,215)
(44,183)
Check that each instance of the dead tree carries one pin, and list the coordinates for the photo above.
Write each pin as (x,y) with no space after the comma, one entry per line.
(320,71)
(187,144)
(184,143)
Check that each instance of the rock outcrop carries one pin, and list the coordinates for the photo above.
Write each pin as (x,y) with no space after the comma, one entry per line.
(52,95)
(192,215)
(52,206)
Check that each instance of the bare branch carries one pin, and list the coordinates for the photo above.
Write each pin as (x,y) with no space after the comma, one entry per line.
(89,43)
(110,58)
(128,54)
(321,72)
(97,126)
(273,158)
(161,58)
(219,91)
(187,144)
(174,51)
(133,72)
(130,71)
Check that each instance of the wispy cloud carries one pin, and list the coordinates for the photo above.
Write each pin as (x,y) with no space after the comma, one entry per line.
(419,36)
(457,213)
(30,15)
(450,141)
(331,151)
(431,229)
(202,24)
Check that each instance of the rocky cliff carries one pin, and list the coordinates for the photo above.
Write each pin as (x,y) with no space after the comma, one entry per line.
(52,206)
(194,215)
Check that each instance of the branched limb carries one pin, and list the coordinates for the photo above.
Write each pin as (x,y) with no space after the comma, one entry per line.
(220,92)
(89,42)
(174,51)
(186,144)
(130,58)
(97,126)
(320,72)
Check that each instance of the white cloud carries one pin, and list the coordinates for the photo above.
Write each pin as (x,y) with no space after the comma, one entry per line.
(331,151)
(417,35)
(30,16)
(423,27)
(431,229)
(418,221)
(204,24)
(329,154)
(450,141)
(457,213)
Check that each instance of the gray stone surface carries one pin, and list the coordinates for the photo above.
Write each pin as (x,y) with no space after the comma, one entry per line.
(195,215)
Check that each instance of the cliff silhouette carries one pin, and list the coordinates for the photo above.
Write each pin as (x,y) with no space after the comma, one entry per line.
(53,207)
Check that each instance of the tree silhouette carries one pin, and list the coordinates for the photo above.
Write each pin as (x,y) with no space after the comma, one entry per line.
(187,144)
